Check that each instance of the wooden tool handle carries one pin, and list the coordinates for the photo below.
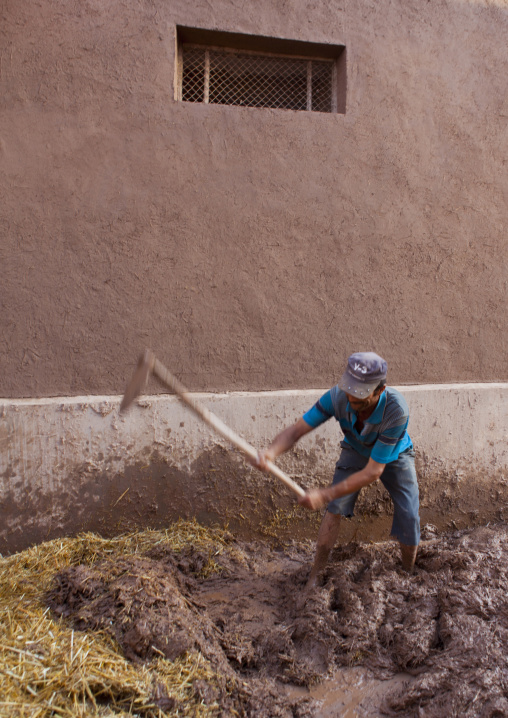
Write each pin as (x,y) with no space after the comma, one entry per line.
(172,383)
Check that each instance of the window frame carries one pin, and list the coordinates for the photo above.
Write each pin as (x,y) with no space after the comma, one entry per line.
(261,46)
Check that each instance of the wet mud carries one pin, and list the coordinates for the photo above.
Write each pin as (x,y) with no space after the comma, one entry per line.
(445,627)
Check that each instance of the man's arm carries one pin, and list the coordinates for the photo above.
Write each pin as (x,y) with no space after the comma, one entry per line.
(316,498)
(283,442)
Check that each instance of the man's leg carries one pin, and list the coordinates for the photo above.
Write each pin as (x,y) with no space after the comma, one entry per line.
(327,536)
(349,463)
(408,554)
(399,478)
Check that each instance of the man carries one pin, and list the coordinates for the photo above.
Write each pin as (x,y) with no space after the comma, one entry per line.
(376,445)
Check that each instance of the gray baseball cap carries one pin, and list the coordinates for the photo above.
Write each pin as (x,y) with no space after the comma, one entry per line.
(365,371)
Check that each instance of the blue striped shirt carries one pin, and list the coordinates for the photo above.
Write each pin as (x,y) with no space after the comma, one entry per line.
(384,435)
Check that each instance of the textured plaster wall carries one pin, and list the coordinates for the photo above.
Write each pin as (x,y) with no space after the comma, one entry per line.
(251,249)
(70,465)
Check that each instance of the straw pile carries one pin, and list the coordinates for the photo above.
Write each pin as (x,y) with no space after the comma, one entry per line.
(48,669)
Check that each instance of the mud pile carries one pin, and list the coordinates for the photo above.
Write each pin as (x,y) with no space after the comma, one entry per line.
(447,624)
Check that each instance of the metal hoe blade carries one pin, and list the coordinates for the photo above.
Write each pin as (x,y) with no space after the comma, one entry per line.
(139,380)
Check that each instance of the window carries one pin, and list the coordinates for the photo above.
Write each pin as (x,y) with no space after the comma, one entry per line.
(230,78)
(280,74)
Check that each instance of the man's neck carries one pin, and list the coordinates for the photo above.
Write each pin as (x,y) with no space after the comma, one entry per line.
(363,415)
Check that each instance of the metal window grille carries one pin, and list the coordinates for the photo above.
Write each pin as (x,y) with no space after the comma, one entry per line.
(254,80)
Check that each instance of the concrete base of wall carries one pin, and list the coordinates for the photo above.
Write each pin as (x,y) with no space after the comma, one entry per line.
(74,464)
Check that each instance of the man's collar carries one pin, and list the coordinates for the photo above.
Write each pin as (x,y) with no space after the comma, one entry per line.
(378,412)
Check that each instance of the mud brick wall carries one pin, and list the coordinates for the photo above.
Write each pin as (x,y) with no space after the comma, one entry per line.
(251,249)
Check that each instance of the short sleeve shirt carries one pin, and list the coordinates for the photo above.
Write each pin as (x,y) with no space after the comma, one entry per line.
(384,434)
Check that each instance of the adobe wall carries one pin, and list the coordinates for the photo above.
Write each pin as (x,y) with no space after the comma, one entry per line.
(251,249)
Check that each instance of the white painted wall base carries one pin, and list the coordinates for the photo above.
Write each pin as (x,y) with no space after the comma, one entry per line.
(61,457)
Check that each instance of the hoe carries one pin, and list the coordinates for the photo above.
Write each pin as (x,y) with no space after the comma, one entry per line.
(148,364)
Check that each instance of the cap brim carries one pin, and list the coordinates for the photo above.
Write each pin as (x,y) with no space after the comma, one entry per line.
(356,388)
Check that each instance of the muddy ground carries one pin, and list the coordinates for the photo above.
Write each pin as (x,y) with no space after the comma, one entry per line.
(445,627)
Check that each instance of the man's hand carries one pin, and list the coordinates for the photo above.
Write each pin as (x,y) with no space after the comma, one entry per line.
(261,461)
(315,499)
